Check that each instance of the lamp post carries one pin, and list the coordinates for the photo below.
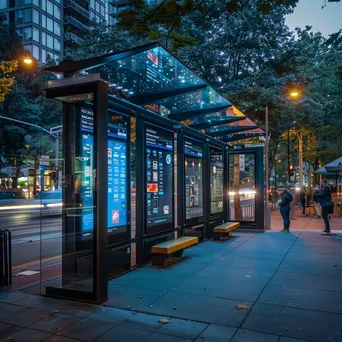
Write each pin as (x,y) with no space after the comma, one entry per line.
(295,94)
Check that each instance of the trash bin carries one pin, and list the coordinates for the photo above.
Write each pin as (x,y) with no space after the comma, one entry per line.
(5,258)
(268,210)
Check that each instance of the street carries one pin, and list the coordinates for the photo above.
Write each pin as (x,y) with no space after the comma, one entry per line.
(26,230)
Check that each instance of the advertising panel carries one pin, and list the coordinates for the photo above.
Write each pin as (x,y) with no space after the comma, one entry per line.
(216,180)
(117,167)
(193,151)
(159,177)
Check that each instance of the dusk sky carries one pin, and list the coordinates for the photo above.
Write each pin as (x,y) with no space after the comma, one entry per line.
(309,12)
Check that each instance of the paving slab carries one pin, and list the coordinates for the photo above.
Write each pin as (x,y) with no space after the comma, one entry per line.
(145,322)
(54,323)
(297,323)
(181,328)
(246,289)
(309,281)
(27,317)
(111,315)
(123,334)
(243,335)
(7,329)
(216,333)
(304,298)
(86,329)
(202,309)
(10,310)
(26,335)
(156,337)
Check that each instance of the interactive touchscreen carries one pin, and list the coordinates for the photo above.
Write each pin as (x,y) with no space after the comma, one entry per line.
(159,176)
(216,180)
(193,179)
(117,167)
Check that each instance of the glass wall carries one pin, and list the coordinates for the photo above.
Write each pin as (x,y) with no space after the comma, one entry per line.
(242,187)
(216,181)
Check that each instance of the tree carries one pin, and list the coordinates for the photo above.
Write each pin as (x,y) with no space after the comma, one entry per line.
(6,78)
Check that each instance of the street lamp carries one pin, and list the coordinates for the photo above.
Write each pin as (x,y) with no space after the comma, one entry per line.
(28,60)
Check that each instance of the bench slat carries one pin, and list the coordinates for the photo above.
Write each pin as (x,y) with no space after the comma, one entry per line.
(171,246)
(226,227)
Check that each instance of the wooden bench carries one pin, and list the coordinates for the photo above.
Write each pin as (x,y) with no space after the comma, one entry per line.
(225,229)
(171,248)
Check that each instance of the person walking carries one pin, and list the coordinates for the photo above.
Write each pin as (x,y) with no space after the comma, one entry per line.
(316,202)
(327,205)
(285,209)
(302,199)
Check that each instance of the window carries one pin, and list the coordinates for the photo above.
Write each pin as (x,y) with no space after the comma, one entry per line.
(57,44)
(49,24)
(43,55)
(24,16)
(49,42)
(35,52)
(57,12)
(44,5)
(49,7)
(3,4)
(56,28)
(43,20)
(92,4)
(36,34)
(25,33)
(23,2)
(35,16)
(44,38)
(36,2)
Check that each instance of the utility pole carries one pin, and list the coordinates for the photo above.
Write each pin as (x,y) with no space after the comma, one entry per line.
(288,157)
(300,152)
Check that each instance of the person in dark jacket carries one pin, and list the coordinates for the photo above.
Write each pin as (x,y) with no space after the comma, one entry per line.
(327,205)
(285,209)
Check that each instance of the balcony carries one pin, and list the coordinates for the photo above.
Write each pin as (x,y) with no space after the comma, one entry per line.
(73,39)
(120,3)
(73,22)
(75,9)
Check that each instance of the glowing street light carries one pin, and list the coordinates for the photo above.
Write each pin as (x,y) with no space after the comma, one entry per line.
(28,60)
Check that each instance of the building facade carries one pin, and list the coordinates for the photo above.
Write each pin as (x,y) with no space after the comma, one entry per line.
(50,27)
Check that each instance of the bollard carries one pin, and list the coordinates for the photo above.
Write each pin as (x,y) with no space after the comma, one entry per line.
(5,258)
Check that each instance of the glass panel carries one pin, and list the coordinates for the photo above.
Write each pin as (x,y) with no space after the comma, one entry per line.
(35,16)
(193,152)
(36,34)
(57,12)
(216,180)
(159,178)
(242,187)
(72,172)
(194,101)
(3,4)
(147,72)
(49,24)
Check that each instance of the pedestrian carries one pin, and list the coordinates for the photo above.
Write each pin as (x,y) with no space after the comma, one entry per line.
(327,205)
(285,209)
(316,202)
(302,199)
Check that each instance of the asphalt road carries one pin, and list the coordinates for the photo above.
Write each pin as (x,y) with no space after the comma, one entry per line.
(26,230)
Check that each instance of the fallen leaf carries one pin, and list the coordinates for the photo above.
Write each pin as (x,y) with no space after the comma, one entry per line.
(164,321)
(247,276)
(30,241)
(129,307)
(11,339)
(140,296)
(151,306)
(335,265)
(175,308)
(242,306)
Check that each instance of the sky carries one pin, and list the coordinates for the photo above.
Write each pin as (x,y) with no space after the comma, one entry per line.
(309,12)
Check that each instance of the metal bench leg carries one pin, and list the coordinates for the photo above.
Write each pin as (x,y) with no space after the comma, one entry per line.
(158,259)
(217,236)
(179,253)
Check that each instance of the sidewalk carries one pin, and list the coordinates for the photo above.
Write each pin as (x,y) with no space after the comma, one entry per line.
(270,287)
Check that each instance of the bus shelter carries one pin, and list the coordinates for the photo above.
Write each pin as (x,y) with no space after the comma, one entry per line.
(144,160)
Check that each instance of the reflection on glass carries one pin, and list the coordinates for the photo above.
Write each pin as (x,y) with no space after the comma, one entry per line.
(242,187)
(193,179)
(216,180)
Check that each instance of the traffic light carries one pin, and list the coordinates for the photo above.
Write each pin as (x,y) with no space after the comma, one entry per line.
(291,168)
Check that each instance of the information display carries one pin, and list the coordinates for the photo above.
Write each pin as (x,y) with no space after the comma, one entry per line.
(193,151)
(117,167)
(159,176)
(216,180)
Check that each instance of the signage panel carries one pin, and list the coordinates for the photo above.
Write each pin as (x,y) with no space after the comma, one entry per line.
(216,180)
(159,176)
(193,151)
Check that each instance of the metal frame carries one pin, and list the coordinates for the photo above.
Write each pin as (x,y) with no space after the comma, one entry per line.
(258,152)
(100,238)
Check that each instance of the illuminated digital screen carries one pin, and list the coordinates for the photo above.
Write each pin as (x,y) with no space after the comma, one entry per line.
(159,176)
(117,168)
(216,180)
(193,151)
